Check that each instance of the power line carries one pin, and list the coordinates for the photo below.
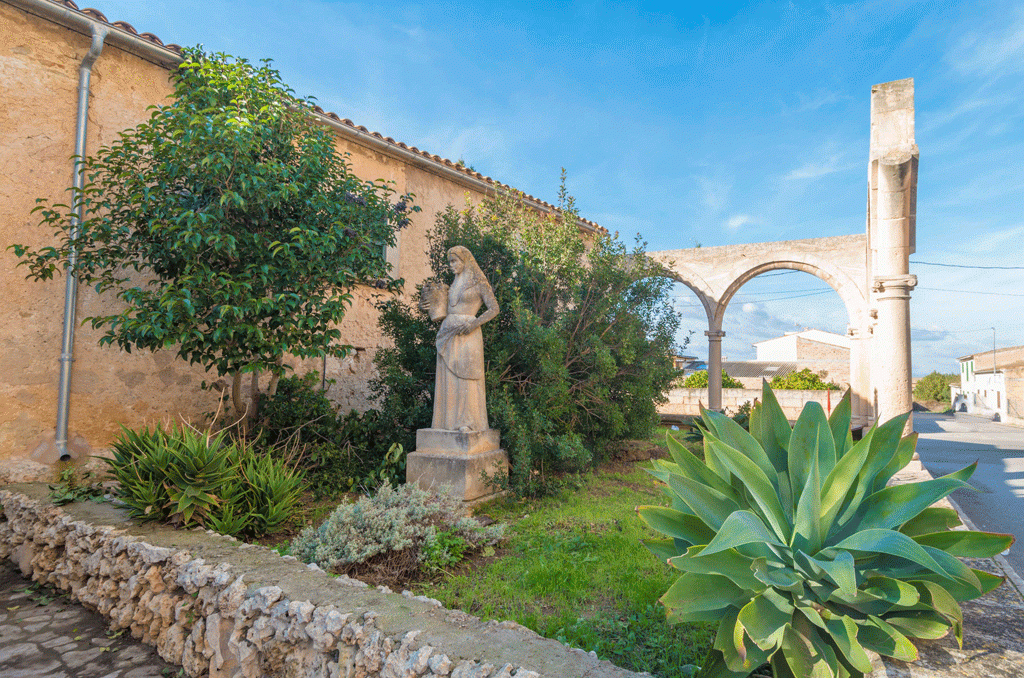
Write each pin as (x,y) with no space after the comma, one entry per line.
(988,268)
(991,294)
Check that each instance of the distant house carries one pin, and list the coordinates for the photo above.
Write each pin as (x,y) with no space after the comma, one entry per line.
(822,352)
(992,383)
(688,364)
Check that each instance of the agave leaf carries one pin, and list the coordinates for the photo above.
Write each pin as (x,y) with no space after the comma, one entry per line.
(779,577)
(932,519)
(919,623)
(739,528)
(954,567)
(881,450)
(774,430)
(840,571)
(877,635)
(702,597)
(676,524)
(807,534)
(731,564)
(811,437)
(966,543)
(753,479)
(801,655)
(893,543)
(891,507)
(892,590)
(839,424)
(715,666)
(843,631)
(663,549)
(836,487)
(693,468)
(961,590)
(707,503)
(738,657)
(941,601)
(733,435)
(765,619)
(904,454)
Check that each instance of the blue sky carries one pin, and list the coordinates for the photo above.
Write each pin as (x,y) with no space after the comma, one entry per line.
(742,122)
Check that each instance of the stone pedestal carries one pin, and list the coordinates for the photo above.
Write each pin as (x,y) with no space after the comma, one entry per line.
(457,459)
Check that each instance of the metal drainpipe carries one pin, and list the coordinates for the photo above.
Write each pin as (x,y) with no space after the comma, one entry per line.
(99,34)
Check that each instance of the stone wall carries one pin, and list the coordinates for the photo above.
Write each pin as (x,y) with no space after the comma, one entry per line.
(687,401)
(224,609)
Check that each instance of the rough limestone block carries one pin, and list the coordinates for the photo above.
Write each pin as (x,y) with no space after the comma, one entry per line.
(463,473)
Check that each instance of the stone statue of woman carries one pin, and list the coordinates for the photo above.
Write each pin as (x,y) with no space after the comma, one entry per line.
(459,400)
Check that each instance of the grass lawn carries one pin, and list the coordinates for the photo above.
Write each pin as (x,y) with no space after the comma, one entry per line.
(572,568)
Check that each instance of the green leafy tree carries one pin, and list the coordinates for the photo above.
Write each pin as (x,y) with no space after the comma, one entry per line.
(700,380)
(228,224)
(578,356)
(804,380)
(935,386)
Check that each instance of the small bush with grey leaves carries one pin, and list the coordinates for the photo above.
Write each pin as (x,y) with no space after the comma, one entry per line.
(393,534)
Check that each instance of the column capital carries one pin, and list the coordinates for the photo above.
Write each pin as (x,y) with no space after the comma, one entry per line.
(894,283)
(714,335)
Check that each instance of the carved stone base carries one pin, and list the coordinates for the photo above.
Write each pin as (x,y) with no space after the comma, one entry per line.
(457,459)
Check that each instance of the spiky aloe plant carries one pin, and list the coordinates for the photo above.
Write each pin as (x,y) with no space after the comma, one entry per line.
(791,540)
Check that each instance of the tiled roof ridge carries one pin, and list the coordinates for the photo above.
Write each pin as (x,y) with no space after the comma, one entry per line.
(458,167)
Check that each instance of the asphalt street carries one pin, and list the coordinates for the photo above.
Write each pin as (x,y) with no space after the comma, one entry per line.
(948,442)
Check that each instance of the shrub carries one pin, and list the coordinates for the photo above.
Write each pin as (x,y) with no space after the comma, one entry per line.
(189,478)
(804,380)
(578,356)
(298,413)
(338,452)
(935,386)
(792,542)
(393,534)
(700,380)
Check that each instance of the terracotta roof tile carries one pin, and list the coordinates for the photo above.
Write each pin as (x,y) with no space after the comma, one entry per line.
(150,37)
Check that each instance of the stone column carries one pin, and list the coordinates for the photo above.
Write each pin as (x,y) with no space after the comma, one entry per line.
(860,380)
(891,234)
(715,369)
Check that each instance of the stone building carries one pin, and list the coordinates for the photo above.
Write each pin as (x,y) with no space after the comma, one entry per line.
(992,384)
(47,47)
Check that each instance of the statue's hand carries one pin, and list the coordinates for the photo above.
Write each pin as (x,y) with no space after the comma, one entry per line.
(468,327)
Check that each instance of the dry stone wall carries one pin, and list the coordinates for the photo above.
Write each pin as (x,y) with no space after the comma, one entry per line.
(224,609)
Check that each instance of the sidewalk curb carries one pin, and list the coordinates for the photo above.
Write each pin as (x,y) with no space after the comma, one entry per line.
(1011,574)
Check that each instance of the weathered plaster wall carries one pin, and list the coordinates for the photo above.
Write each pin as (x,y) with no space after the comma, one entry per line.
(39,63)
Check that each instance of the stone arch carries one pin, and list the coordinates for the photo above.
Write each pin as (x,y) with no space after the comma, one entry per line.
(841,283)
(697,285)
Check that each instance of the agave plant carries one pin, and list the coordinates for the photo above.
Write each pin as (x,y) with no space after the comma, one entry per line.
(792,541)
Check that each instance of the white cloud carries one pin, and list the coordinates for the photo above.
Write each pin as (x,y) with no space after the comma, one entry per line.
(714,192)
(997,48)
(998,241)
(737,220)
(818,168)
(749,308)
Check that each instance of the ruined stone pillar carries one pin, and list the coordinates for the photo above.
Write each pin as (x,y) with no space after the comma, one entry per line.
(715,369)
(861,402)
(891,236)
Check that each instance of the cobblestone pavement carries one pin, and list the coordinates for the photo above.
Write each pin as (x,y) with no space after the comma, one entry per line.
(45,635)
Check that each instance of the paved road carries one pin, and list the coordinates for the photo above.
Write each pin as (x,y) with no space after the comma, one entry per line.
(948,442)
(44,635)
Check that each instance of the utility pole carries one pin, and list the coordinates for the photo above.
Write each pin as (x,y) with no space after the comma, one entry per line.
(993,356)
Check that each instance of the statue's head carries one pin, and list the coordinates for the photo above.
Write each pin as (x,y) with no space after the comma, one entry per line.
(459,258)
